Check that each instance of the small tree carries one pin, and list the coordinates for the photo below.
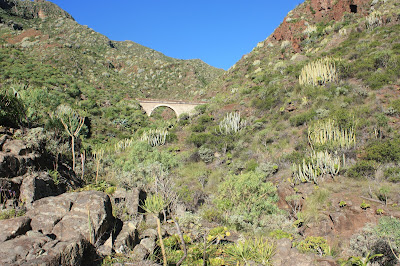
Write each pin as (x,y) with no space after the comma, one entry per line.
(154,205)
(72,123)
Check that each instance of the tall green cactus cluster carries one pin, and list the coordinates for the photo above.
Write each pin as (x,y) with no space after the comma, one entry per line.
(232,123)
(321,164)
(123,144)
(328,133)
(156,137)
(319,72)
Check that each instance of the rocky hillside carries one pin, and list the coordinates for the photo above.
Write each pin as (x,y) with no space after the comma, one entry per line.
(294,160)
(44,48)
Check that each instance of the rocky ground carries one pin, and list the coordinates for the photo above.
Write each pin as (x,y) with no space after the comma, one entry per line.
(51,222)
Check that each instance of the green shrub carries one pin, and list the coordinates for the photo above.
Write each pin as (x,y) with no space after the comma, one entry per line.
(384,238)
(267,168)
(247,196)
(393,174)
(279,234)
(198,139)
(206,154)
(184,116)
(11,213)
(301,119)
(198,128)
(365,205)
(201,109)
(204,119)
(251,165)
(184,119)
(295,157)
(141,156)
(263,103)
(377,79)
(362,169)
(314,244)
(383,150)
(389,227)
(12,109)
(258,250)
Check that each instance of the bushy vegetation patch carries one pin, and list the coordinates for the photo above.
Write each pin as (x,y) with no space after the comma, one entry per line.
(12,109)
(362,169)
(246,198)
(383,150)
(384,238)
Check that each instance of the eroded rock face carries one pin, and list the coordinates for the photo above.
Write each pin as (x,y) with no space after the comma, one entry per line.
(12,228)
(39,185)
(334,10)
(317,10)
(129,200)
(125,240)
(69,215)
(61,230)
(38,249)
(23,161)
(16,158)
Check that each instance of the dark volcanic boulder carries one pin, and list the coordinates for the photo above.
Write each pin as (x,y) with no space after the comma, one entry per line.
(60,230)
(39,185)
(16,158)
(70,215)
(11,228)
(38,249)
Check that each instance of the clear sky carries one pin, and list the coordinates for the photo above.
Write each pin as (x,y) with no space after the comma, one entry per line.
(219,32)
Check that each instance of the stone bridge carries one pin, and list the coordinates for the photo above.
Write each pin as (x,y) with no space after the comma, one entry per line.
(179,107)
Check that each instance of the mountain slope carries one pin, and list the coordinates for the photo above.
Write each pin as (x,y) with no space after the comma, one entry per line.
(44,48)
(299,141)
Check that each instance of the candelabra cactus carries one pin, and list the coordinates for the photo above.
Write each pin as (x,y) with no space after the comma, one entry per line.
(155,137)
(373,20)
(328,133)
(319,72)
(320,164)
(231,124)
(123,145)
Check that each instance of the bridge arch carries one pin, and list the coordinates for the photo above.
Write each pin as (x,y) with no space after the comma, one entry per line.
(164,105)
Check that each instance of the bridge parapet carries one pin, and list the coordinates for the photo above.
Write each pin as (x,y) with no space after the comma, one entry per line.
(179,107)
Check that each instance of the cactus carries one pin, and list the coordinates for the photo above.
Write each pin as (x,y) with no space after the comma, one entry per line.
(373,20)
(321,163)
(231,124)
(328,133)
(310,29)
(155,137)
(122,145)
(319,72)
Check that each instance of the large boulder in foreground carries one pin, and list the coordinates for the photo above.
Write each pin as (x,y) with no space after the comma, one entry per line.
(61,230)
(34,248)
(69,215)
(38,185)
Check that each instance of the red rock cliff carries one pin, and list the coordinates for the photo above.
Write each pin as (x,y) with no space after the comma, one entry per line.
(316,10)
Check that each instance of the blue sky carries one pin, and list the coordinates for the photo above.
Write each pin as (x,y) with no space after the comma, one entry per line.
(219,32)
